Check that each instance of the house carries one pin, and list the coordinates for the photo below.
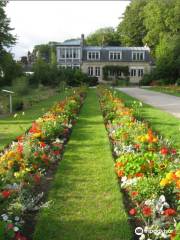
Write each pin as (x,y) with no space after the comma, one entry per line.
(94,59)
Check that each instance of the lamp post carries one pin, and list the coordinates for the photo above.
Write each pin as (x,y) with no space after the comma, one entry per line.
(10,99)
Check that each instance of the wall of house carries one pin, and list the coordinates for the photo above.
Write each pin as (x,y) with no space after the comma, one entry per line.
(136,65)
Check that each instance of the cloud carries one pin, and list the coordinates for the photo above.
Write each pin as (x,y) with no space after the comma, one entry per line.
(37,22)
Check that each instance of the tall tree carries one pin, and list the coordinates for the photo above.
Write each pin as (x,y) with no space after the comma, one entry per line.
(131,29)
(161,17)
(103,37)
(6,38)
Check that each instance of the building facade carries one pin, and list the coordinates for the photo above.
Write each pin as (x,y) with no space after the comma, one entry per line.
(92,59)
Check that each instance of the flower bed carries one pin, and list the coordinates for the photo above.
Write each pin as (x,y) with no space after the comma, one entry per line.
(25,163)
(147,166)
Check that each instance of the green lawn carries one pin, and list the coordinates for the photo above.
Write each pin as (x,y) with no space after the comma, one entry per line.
(164,123)
(175,91)
(87,203)
(11,127)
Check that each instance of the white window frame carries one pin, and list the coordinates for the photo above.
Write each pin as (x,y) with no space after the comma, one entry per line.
(138,52)
(136,70)
(97,71)
(114,53)
(72,53)
(93,52)
(90,71)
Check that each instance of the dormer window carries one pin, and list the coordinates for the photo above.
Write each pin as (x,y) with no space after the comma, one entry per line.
(137,56)
(93,55)
(115,56)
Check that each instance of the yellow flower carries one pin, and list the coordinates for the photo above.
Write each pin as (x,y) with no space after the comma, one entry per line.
(155,140)
(10,164)
(17,174)
(177,173)
(36,135)
(169,176)
(164,182)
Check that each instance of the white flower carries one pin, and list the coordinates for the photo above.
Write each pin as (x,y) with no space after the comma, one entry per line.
(142,237)
(123,179)
(16,229)
(17,218)
(162,199)
(164,235)
(5,217)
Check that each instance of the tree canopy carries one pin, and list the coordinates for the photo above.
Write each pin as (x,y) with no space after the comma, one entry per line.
(6,37)
(102,37)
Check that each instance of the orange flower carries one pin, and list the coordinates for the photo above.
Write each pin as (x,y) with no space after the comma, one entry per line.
(134,194)
(120,173)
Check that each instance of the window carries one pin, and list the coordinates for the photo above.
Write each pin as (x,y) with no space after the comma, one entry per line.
(97,71)
(140,72)
(133,72)
(138,56)
(115,56)
(90,71)
(69,53)
(62,52)
(137,72)
(94,55)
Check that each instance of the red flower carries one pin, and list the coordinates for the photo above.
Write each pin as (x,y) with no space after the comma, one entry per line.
(34,128)
(36,154)
(133,212)
(173,151)
(45,157)
(37,178)
(137,146)
(139,174)
(5,194)
(19,236)
(169,212)
(42,144)
(147,211)
(134,193)
(10,226)
(20,148)
(57,152)
(164,151)
(20,138)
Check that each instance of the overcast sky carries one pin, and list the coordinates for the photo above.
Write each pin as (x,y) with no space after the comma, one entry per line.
(38,22)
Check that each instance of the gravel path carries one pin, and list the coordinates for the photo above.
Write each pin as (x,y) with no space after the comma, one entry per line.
(165,102)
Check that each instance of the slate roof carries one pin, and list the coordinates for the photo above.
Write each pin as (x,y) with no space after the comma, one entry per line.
(71,42)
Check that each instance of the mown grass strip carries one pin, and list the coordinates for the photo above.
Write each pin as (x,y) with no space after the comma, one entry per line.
(87,203)
(164,123)
(11,127)
(170,91)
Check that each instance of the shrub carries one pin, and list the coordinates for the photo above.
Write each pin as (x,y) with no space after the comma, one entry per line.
(92,81)
(20,85)
(146,80)
(17,104)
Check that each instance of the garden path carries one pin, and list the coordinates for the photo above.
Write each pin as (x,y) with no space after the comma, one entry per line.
(87,203)
(165,102)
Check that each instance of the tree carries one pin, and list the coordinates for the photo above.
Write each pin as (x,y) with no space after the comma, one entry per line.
(42,51)
(168,58)
(103,36)
(10,68)
(132,30)
(161,18)
(6,38)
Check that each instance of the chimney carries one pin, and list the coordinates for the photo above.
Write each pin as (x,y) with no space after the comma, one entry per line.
(82,40)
